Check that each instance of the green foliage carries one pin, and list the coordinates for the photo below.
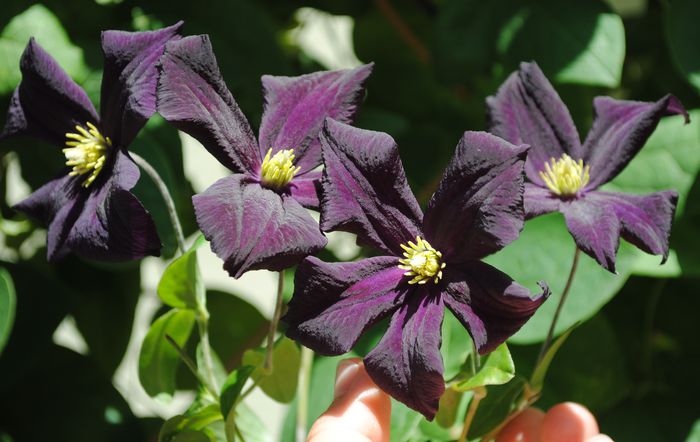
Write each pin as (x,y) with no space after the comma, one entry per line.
(538,376)
(233,386)
(681,28)
(497,369)
(181,283)
(281,382)
(8,301)
(42,24)
(159,359)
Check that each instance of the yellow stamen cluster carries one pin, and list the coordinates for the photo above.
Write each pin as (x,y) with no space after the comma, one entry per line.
(278,169)
(422,261)
(86,152)
(565,177)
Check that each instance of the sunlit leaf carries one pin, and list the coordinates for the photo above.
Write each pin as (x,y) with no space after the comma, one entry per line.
(281,383)
(181,282)
(497,369)
(8,303)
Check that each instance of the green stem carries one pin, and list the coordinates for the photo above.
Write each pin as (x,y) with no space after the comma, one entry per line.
(191,365)
(562,300)
(307,359)
(267,365)
(167,197)
(202,313)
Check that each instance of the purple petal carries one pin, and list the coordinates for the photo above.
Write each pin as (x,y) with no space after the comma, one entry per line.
(104,222)
(129,80)
(539,201)
(334,304)
(595,228)
(478,206)
(251,227)
(407,363)
(47,103)
(489,303)
(305,189)
(193,96)
(619,131)
(295,108)
(364,188)
(643,220)
(527,110)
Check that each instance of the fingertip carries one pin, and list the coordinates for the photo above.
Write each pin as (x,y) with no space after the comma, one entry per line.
(568,421)
(600,438)
(525,427)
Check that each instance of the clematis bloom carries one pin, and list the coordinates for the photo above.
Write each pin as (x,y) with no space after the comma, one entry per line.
(89,208)
(428,262)
(255,218)
(564,175)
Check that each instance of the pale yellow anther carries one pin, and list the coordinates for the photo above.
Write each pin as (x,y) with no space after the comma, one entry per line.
(278,170)
(422,261)
(86,152)
(565,176)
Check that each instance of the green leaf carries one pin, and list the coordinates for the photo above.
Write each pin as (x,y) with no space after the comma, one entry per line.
(447,411)
(581,43)
(497,369)
(42,24)
(496,406)
(537,380)
(191,426)
(250,425)
(8,304)
(456,345)
(233,386)
(181,282)
(404,422)
(158,360)
(545,251)
(683,34)
(281,383)
(694,435)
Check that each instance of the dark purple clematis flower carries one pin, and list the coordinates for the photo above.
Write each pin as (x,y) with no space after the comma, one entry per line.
(255,218)
(89,209)
(428,261)
(564,175)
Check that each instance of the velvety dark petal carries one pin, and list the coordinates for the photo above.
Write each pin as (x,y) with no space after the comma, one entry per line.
(295,108)
(193,96)
(334,304)
(489,303)
(595,228)
(113,225)
(407,363)
(251,227)
(539,201)
(478,206)
(305,189)
(130,79)
(645,219)
(47,103)
(619,131)
(364,188)
(527,110)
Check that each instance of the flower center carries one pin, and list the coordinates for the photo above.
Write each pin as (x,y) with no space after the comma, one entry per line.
(422,261)
(86,152)
(277,171)
(565,176)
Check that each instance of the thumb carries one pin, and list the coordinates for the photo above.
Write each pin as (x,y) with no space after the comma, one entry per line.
(360,410)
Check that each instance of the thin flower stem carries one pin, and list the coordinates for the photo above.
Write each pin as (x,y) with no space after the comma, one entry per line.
(238,433)
(267,366)
(191,365)
(163,189)
(479,394)
(307,360)
(562,300)
(203,326)
(403,30)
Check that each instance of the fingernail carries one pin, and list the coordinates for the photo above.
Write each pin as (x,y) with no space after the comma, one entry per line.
(344,376)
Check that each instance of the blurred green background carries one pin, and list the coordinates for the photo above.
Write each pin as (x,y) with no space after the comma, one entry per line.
(634,359)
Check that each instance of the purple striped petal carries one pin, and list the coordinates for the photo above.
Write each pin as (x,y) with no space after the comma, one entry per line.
(47,103)
(478,206)
(334,304)
(129,80)
(527,110)
(364,188)
(193,96)
(407,363)
(295,108)
(305,189)
(539,201)
(597,220)
(251,227)
(489,303)
(620,130)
